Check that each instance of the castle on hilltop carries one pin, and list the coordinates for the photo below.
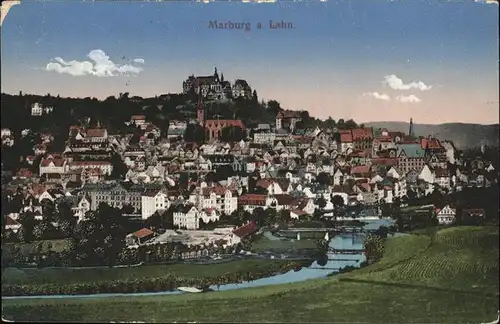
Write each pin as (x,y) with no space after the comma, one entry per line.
(213,87)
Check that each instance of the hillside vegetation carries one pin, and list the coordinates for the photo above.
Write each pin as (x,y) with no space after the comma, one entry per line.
(439,276)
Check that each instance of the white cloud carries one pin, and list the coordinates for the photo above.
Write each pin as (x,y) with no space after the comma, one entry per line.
(487,1)
(139,60)
(376,95)
(397,84)
(100,66)
(408,99)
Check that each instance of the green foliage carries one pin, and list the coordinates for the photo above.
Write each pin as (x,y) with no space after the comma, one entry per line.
(195,133)
(232,134)
(374,248)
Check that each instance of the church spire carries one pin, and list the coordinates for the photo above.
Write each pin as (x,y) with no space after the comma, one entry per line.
(410,132)
(216,75)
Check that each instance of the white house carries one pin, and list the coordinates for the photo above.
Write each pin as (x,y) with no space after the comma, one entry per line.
(186,216)
(52,166)
(394,173)
(36,109)
(106,167)
(152,201)
(264,137)
(222,198)
(81,209)
(446,215)
(426,174)
(442,178)
(6,132)
(209,215)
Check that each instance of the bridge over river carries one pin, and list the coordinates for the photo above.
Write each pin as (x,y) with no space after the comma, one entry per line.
(335,230)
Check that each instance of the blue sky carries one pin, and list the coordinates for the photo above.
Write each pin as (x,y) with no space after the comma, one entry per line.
(439,59)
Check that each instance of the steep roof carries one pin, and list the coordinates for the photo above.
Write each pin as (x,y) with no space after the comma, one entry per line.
(362,134)
(360,169)
(96,132)
(246,230)
(345,137)
(411,150)
(144,232)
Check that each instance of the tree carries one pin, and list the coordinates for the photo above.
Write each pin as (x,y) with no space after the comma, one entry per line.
(66,228)
(374,248)
(324,179)
(255,98)
(119,168)
(259,215)
(40,230)
(232,134)
(321,202)
(322,260)
(195,133)
(273,106)
(154,221)
(350,124)
(64,213)
(338,201)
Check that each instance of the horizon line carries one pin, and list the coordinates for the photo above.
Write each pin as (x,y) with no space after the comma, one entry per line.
(262,99)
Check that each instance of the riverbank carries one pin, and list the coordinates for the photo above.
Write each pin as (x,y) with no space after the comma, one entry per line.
(147,279)
(63,276)
(459,285)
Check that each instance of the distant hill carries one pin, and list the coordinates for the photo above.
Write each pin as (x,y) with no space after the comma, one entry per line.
(462,135)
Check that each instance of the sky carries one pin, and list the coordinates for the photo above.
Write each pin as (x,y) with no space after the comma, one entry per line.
(432,61)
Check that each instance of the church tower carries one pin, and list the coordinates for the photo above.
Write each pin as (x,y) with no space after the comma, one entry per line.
(410,132)
(216,75)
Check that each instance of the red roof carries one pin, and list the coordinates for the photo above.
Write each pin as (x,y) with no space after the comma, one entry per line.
(263,183)
(361,169)
(76,163)
(217,189)
(216,123)
(252,199)
(346,138)
(299,212)
(430,143)
(362,134)
(384,139)
(57,162)
(143,233)
(384,161)
(209,210)
(96,132)
(245,230)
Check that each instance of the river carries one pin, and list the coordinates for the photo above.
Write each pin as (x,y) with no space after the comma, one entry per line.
(314,271)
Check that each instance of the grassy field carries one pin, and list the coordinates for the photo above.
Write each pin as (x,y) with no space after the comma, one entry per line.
(447,277)
(68,276)
(263,244)
(27,248)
